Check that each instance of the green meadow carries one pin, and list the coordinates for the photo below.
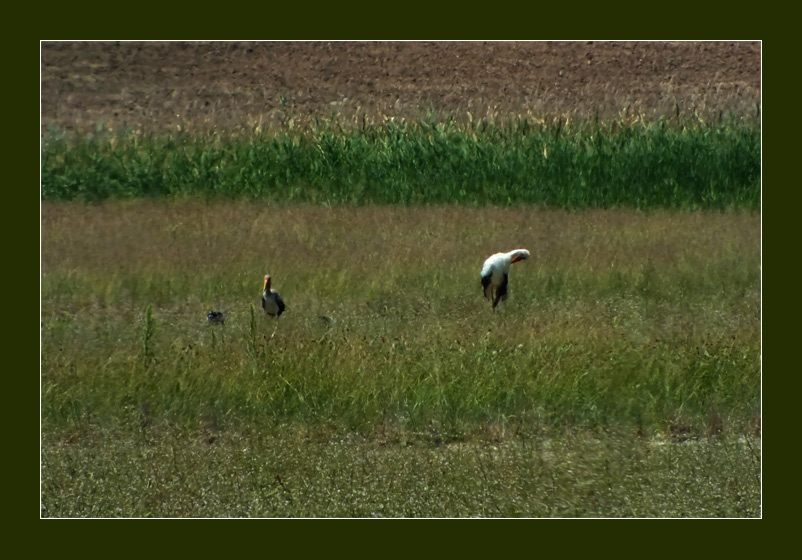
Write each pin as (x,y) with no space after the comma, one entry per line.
(621,378)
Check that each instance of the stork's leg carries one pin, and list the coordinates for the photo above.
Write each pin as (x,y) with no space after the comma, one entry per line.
(501,291)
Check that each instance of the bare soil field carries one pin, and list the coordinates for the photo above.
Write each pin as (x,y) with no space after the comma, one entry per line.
(232,85)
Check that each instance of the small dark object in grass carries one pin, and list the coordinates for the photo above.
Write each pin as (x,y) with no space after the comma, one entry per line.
(216,318)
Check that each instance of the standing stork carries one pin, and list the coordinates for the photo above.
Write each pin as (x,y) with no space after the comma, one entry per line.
(496,272)
(271,300)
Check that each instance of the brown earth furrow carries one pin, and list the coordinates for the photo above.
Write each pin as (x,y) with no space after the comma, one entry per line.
(161,85)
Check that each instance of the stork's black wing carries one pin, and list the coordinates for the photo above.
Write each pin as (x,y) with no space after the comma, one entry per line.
(486,284)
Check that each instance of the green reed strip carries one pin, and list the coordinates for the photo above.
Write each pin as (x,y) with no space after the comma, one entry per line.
(604,164)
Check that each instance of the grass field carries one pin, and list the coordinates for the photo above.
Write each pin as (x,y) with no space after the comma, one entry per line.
(621,378)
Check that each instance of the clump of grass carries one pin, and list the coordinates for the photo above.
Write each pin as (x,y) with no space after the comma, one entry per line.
(147,336)
(560,163)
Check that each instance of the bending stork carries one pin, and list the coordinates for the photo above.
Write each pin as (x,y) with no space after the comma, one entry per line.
(271,300)
(496,271)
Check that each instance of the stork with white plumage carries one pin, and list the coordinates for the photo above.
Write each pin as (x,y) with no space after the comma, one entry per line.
(496,272)
(272,302)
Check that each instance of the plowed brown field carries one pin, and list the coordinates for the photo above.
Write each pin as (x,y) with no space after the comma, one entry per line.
(233,85)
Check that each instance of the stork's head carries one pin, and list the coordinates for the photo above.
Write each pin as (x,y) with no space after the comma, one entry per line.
(266,286)
(518,255)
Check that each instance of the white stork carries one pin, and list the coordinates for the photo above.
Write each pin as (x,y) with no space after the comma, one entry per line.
(271,300)
(496,271)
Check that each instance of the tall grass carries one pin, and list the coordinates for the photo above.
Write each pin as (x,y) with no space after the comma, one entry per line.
(619,318)
(561,163)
